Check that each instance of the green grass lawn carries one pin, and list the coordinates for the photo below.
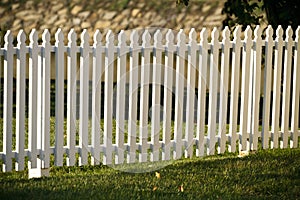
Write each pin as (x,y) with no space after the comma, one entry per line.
(268,174)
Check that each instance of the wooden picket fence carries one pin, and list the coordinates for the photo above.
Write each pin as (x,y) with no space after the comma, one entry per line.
(202,97)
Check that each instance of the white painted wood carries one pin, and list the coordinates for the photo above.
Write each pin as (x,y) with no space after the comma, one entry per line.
(277,87)
(96,98)
(156,84)
(168,90)
(8,101)
(121,88)
(267,86)
(202,85)
(212,107)
(286,95)
(296,91)
(20,100)
(245,88)
(108,97)
(59,97)
(71,97)
(179,92)
(145,72)
(84,97)
(46,73)
(32,121)
(224,89)
(256,76)
(133,86)
(189,131)
(235,82)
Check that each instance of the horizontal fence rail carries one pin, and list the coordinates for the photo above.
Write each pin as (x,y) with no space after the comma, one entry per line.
(139,97)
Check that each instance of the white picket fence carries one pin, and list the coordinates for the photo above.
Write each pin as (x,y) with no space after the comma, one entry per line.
(164,80)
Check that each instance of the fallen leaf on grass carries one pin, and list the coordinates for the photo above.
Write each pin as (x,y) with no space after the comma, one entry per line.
(180,188)
(157,174)
(154,189)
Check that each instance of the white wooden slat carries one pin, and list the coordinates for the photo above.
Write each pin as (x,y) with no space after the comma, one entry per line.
(212,107)
(133,85)
(32,122)
(296,91)
(8,101)
(46,73)
(71,97)
(235,82)
(168,90)
(277,87)
(179,92)
(224,89)
(245,88)
(267,86)
(156,83)
(108,97)
(96,98)
(202,84)
(84,97)
(286,95)
(145,72)
(59,97)
(121,88)
(256,76)
(20,100)
(189,131)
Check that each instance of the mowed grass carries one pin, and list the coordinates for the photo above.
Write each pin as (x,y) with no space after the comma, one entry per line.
(267,174)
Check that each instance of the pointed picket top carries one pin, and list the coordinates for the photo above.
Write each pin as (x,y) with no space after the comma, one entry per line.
(181,37)
(157,38)
(8,38)
(279,33)
(85,37)
(146,38)
(134,38)
(21,38)
(192,35)
(297,33)
(33,37)
(237,33)
(110,37)
(289,33)
(269,33)
(248,33)
(59,36)
(257,32)
(226,34)
(72,37)
(203,35)
(215,35)
(46,36)
(122,38)
(170,37)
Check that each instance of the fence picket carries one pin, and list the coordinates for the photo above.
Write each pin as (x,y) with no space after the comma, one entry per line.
(256,77)
(32,123)
(296,91)
(8,101)
(286,86)
(84,97)
(202,84)
(108,97)
(46,63)
(179,91)
(71,98)
(20,101)
(277,87)
(212,107)
(121,88)
(133,84)
(168,90)
(59,97)
(145,72)
(156,84)
(189,131)
(224,89)
(235,82)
